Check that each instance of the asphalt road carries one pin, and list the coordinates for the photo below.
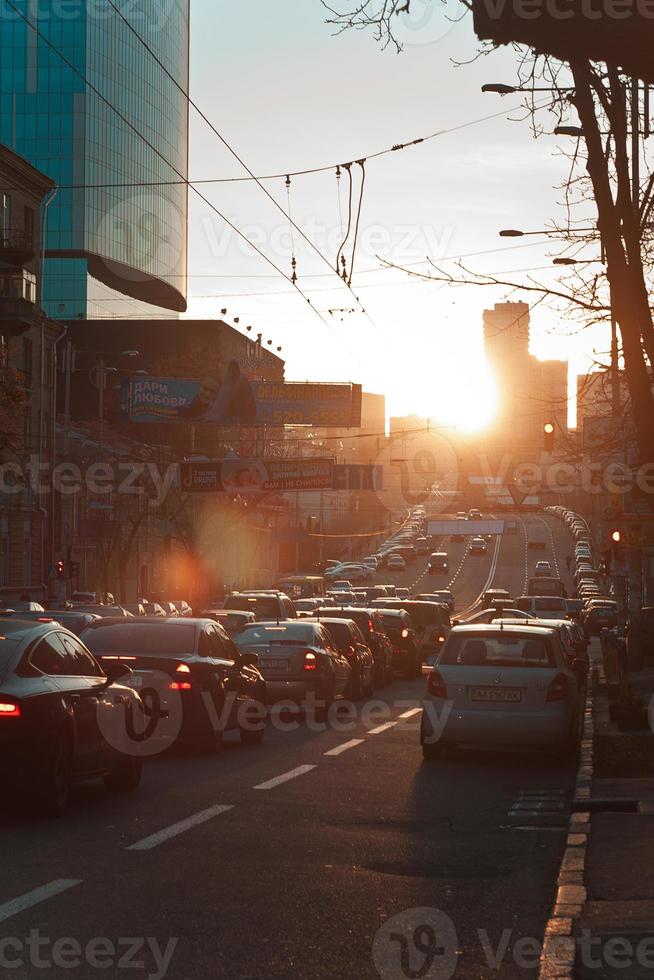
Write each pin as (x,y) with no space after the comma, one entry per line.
(315,855)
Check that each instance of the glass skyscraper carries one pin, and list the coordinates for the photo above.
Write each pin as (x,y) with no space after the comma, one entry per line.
(112,132)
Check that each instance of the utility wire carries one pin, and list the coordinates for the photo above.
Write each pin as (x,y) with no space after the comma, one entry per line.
(231,149)
(152,147)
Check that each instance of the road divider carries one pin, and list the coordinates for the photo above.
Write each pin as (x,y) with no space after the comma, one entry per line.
(285,777)
(35,897)
(154,840)
(345,746)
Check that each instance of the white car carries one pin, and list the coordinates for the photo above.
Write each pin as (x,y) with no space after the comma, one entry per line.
(478,546)
(396,563)
(542,568)
(504,685)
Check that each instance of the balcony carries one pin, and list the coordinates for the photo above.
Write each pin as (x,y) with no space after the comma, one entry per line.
(17,302)
(16,247)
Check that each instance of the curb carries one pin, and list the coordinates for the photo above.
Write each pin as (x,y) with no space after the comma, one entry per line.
(557,960)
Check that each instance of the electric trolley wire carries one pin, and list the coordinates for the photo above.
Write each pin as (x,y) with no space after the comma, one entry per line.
(152,147)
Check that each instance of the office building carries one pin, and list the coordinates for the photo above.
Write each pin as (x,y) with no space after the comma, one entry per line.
(86,103)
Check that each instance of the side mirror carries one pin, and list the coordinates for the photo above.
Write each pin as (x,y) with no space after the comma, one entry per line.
(114,671)
(248,660)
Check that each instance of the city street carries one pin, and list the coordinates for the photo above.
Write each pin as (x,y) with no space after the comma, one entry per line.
(288,859)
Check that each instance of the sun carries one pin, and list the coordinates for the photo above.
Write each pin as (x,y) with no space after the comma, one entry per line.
(459,392)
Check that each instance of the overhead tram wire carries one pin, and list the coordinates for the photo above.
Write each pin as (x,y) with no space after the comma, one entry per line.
(69,64)
(241,161)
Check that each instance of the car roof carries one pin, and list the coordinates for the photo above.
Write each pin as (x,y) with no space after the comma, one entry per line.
(485,629)
(174,621)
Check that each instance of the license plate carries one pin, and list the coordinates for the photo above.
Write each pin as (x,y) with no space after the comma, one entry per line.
(495,694)
(273,664)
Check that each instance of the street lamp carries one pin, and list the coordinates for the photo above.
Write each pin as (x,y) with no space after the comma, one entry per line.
(499,88)
(516,233)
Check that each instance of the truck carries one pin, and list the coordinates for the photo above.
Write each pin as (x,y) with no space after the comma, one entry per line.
(537,536)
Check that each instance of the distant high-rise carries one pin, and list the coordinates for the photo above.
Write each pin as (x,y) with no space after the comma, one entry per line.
(115,230)
(530,391)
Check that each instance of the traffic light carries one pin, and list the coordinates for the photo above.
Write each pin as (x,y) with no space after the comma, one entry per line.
(60,568)
(548,437)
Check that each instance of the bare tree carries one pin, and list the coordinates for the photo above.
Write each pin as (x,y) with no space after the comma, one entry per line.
(605,175)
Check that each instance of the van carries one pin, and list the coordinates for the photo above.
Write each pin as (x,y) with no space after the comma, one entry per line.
(422,546)
(438,563)
(545,585)
(543,607)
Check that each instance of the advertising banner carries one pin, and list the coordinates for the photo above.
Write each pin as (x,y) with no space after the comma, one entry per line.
(236,400)
(242,476)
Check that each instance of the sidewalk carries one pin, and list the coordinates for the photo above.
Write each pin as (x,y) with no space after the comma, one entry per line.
(614,929)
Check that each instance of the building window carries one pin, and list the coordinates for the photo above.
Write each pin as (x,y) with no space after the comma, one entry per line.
(5,216)
(19,285)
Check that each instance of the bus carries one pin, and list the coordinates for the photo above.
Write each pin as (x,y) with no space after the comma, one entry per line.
(302,586)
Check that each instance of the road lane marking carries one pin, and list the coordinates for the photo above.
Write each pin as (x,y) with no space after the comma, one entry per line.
(35,897)
(382,728)
(345,746)
(285,777)
(410,714)
(148,843)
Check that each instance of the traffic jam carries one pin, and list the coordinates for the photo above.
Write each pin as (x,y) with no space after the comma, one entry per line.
(93,690)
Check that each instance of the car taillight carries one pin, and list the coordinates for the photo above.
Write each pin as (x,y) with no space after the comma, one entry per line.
(180,686)
(310,661)
(437,637)
(9,709)
(404,634)
(436,685)
(558,689)
(371,626)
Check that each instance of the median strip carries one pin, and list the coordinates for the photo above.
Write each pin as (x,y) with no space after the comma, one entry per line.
(285,777)
(148,843)
(35,897)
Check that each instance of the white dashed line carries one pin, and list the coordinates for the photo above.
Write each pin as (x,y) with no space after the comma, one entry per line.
(410,714)
(35,897)
(148,843)
(345,746)
(285,777)
(382,728)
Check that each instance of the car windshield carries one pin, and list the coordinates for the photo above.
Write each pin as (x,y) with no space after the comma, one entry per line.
(262,634)
(498,650)
(162,639)
(262,606)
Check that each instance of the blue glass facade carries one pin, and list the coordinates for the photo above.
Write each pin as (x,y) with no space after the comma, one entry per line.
(122,241)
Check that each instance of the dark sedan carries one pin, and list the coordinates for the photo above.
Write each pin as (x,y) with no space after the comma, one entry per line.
(371,625)
(406,654)
(349,641)
(194,682)
(74,620)
(58,718)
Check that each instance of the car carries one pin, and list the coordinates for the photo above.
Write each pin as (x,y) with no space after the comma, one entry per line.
(461,515)
(439,595)
(422,546)
(307,607)
(342,596)
(264,605)
(74,620)
(169,608)
(546,585)
(183,608)
(491,615)
(491,596)
(341,585)
(506,685)
(574,607)
(399,629)
(103,611)
(430,621)
(438,563)
(474,514)
(596,618)
(401,593)
(396,563)
(190,675)
(58,713)
(542,568)
(135,608)
(371,624)
(20,605)
(152,608)
(297,659)
(478,546)
(231,620)
(350,643)
(543,607)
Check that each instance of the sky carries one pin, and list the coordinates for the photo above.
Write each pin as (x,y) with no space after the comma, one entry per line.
(288,95)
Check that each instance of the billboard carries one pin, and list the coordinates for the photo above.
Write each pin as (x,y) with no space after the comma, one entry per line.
(237,400)
(619,32)
(242,476)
